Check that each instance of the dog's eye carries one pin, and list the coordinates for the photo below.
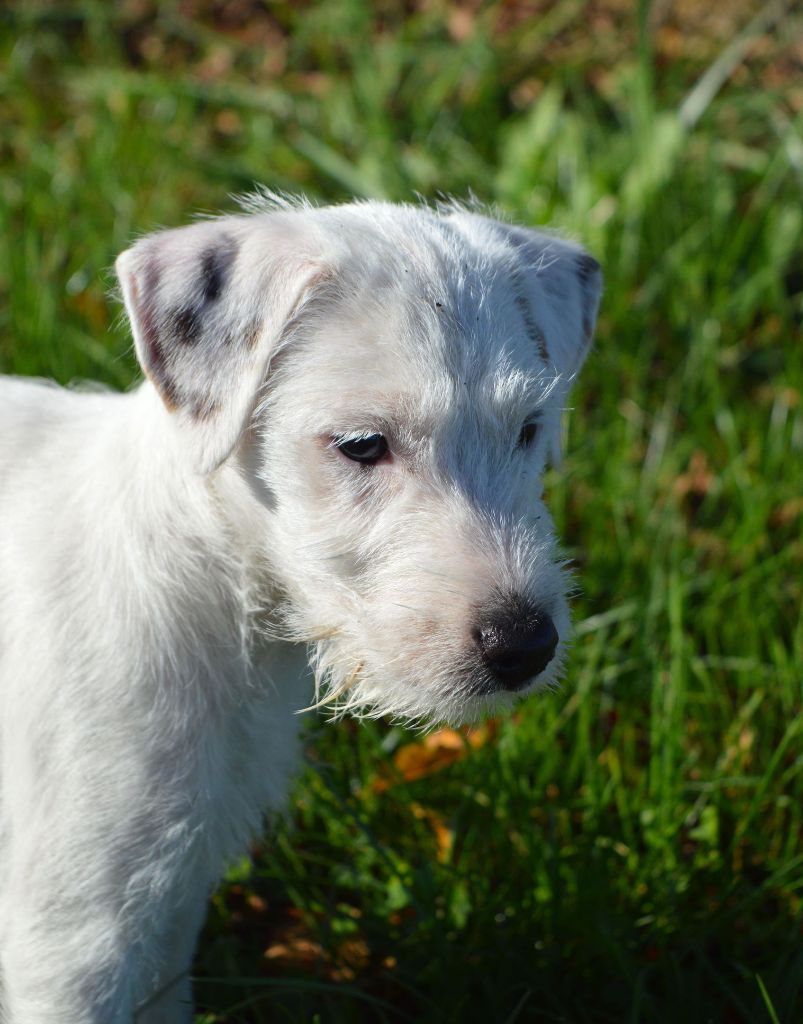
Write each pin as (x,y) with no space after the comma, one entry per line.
(528,434)
(367,450)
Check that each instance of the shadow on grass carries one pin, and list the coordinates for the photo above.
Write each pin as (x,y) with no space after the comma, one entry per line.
(463,946)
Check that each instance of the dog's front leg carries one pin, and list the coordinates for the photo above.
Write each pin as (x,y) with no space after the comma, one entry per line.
(101,904)
(171,1001)
(100,962)
(45,984)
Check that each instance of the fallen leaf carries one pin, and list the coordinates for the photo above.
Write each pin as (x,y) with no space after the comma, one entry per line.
(434,752)
(698,478)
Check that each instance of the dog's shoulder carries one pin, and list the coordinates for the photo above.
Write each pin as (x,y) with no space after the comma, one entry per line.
(37,415)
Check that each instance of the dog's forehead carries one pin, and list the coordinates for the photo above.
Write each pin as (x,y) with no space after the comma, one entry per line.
(420,323)
(387,364)
(446,301)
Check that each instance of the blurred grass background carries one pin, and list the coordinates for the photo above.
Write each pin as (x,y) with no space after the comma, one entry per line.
(628,850)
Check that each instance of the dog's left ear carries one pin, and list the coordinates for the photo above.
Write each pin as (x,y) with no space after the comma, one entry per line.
(557,287)
(208,305)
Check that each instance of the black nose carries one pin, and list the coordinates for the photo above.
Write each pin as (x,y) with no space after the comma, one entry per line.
(516,648)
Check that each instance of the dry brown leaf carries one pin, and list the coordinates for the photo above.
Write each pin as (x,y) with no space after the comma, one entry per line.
(296,951)
(434,752)
(697,479)
(444,835)
(787,512)
(353,956)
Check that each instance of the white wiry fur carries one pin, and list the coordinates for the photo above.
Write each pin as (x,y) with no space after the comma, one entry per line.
(166,556)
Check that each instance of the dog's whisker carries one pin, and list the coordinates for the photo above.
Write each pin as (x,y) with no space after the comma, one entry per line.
(319,636)
(408,608)
(329,698)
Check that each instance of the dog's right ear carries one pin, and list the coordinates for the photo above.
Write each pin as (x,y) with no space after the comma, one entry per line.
(208,305)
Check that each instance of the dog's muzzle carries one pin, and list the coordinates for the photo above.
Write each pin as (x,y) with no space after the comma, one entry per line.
(516,649)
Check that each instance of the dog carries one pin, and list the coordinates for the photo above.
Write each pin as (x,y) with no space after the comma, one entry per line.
(335,460)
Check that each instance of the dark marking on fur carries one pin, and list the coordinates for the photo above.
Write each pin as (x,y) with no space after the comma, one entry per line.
(534,332)
(184,324)
(246,336)
(251,334)
(153,273)
(204,407)
(156,368)
(212,275)
(587,270)
(215,263)
(170,392)
(165,331)
(155,361)
(587,267)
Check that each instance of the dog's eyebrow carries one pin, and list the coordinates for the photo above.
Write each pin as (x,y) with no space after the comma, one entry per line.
(520,394)
(360,424)
(394,416)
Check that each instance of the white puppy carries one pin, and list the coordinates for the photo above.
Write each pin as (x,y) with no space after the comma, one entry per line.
(339,444)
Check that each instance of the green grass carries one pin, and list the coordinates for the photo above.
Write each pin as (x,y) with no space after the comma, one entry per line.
(628,850)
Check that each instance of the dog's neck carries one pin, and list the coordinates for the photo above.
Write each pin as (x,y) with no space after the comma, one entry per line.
(189,533)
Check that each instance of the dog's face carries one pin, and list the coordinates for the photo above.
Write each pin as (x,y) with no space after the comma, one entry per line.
(391,382)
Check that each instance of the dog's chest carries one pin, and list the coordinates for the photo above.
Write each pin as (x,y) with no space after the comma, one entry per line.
(253,750)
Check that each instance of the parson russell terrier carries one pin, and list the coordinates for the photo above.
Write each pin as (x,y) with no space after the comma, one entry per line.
(335,460)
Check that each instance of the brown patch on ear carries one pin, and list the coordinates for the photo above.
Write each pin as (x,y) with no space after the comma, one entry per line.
(169,391)
(155,365)
(204,408)
(156,370)
(247,337)
(251,334)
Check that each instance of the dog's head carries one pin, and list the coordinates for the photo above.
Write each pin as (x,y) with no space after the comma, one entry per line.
(390,381)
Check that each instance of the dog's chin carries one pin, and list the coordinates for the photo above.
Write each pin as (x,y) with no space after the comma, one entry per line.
(488,698)
(462,696)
